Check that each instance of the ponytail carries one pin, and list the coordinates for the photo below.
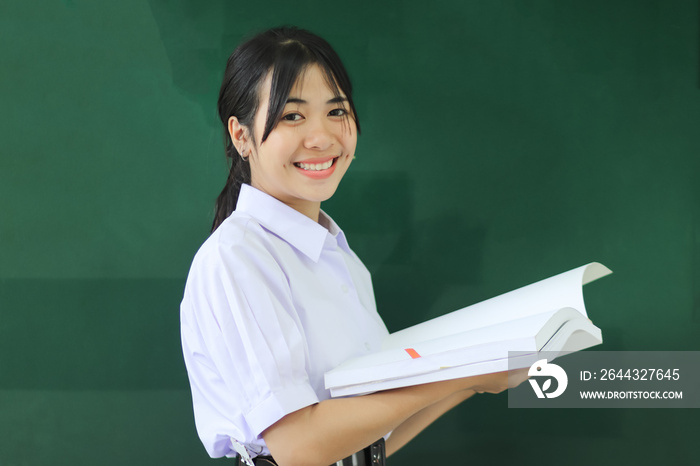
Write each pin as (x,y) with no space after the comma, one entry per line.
(239,173)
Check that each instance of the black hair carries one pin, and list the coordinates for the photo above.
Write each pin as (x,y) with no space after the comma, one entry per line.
(285,52)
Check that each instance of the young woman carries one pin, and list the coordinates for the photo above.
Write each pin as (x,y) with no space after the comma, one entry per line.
(275,296)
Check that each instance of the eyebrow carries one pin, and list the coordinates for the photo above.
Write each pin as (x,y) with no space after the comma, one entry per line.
(334,100)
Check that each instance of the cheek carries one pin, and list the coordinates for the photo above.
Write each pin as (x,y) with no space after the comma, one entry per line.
(279,149)
(350,146)
(348,139)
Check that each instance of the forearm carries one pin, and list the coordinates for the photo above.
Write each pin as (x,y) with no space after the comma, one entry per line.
(422,419)
(323,433)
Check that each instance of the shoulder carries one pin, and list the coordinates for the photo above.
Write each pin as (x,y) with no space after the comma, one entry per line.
(238,237)
(239,251)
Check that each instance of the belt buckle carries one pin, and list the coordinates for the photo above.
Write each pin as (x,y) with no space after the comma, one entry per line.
(375,453)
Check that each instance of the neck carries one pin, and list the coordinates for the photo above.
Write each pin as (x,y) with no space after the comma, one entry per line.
(311,210)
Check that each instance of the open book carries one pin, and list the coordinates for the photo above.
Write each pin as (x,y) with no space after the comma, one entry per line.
(548,315)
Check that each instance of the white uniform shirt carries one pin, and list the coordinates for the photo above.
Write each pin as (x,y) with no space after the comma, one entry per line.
(273,300)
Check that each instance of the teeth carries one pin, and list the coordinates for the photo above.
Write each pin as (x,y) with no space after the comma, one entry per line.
(315,166)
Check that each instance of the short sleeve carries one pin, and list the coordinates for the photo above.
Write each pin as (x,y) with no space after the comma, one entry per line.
(243,344)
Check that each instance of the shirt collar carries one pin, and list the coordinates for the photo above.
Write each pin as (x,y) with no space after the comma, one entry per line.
(294,227)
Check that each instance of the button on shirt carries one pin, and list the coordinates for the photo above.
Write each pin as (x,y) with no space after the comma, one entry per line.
(273,300)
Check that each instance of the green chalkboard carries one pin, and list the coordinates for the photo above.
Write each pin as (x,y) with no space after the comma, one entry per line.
(503,142)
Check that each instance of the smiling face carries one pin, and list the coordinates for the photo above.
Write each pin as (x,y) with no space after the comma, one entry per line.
(306,155)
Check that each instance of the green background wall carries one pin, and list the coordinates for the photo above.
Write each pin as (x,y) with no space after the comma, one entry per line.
(503,142)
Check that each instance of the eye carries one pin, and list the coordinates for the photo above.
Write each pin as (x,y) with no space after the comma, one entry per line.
(338,112)
(292,117)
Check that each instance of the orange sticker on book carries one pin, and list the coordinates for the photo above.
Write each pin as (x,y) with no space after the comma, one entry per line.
(413,353)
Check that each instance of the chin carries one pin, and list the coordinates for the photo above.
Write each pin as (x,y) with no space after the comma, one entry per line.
(324,193)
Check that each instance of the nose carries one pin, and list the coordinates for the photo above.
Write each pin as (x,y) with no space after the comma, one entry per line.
(319,135)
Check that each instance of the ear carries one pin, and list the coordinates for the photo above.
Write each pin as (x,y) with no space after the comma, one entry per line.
(240,136)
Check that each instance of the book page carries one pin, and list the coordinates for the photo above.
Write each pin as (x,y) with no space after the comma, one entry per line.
(468,347)
(551,294)
(477,339)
